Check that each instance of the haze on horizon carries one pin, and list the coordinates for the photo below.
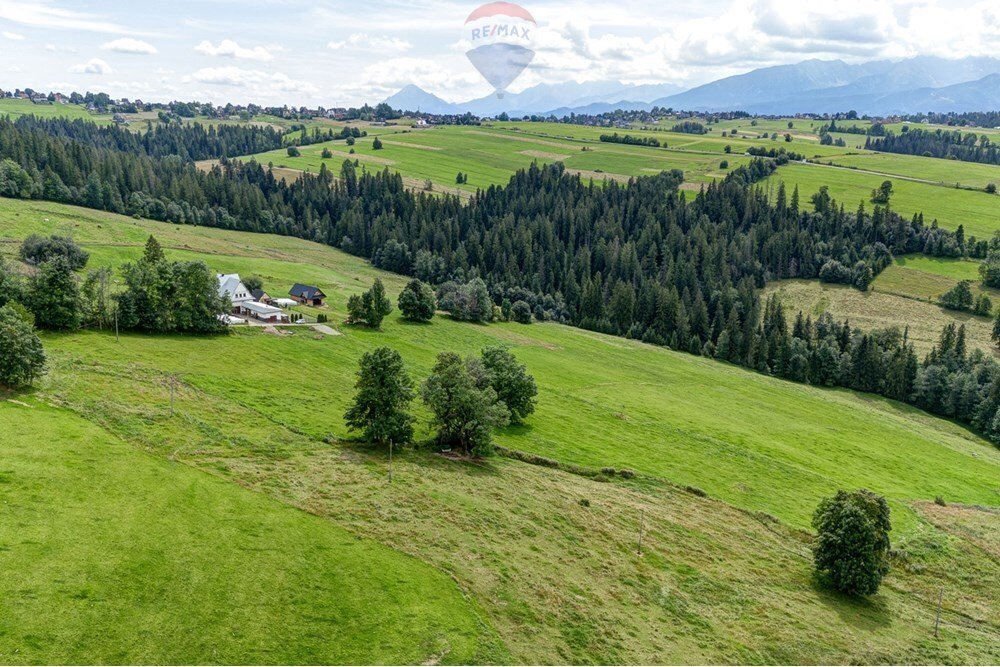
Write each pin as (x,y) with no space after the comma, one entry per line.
(336,53)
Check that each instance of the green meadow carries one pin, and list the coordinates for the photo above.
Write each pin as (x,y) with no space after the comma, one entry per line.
(977,211)
(18,107)
(254,434)
(111,555)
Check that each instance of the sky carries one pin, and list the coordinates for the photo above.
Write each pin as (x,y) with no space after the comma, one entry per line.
(333,53)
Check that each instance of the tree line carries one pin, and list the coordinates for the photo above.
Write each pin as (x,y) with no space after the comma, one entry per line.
(953,145)
(188,141)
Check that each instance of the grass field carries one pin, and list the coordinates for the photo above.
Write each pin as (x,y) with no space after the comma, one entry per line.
(944,172)
(878,309)
(489,157)
(18,107)
(557,581)
(111,555)
(979,212)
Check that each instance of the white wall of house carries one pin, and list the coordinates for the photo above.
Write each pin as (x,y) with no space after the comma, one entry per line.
(230,285)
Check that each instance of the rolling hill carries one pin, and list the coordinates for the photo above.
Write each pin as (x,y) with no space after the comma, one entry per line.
(546,557)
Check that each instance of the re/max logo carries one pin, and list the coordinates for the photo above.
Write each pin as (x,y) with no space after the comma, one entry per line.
(499,30)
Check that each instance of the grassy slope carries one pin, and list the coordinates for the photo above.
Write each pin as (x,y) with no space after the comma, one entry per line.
(18,107)
(113,556)
(553,579)
(878,308)
(979,212)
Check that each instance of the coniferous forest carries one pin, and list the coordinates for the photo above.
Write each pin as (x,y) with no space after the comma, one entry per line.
(641,259)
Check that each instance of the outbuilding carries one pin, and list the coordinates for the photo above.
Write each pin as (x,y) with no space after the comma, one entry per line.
(263,312)
(307,294)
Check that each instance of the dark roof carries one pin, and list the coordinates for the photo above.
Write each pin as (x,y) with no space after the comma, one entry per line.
(305,291)
(258,294)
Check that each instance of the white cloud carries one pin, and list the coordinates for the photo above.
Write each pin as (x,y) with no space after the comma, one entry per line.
(129,45)
(228,48)
(41,14)
(12,36)
(253,79)
(364,42)
(92,66)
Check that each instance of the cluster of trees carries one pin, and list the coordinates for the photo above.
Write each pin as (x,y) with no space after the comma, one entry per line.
(370,307)
(951,381)
(417,301)
(469,301)
(158,295)
(188,141)
(163,296)
(632,140)
(955,145)
(781,155)
(468,398)
(960,297)
(689,127)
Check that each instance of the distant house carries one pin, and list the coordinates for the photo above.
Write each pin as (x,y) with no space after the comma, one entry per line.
(307,294)
(232,287)
(260,296)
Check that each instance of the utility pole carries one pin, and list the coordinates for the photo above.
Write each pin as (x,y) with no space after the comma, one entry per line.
(937,617)
(642,516)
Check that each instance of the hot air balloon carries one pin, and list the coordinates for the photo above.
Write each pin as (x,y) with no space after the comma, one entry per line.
(501,34)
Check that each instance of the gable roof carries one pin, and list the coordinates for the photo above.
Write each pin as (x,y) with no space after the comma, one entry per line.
(230,285)
(306,291)
(258,294)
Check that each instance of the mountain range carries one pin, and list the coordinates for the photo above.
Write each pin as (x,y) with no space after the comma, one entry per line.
(877,88)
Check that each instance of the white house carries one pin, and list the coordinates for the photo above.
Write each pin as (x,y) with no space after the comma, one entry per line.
(230,285)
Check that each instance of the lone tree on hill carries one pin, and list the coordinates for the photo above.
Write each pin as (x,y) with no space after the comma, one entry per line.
(466,408)
(416,301)
(376,144)
(384,393)
(370,307)
(22,357)
(852,545)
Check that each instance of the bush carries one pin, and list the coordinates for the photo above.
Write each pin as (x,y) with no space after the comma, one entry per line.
(694,490)
(520,312)
(293,151)
(627,473)
(610,472)
(326,154)
(22,358)
(852,545)
(984,306)
(938,500)
(376,144)
(38,249)
(584,502)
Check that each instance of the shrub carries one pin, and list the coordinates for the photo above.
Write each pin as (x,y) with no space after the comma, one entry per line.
(38,249)
(938,500)
(520,312)
(610,472)
(694,490)
(584,502)
(627,473)
(293,151)
(326,154)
